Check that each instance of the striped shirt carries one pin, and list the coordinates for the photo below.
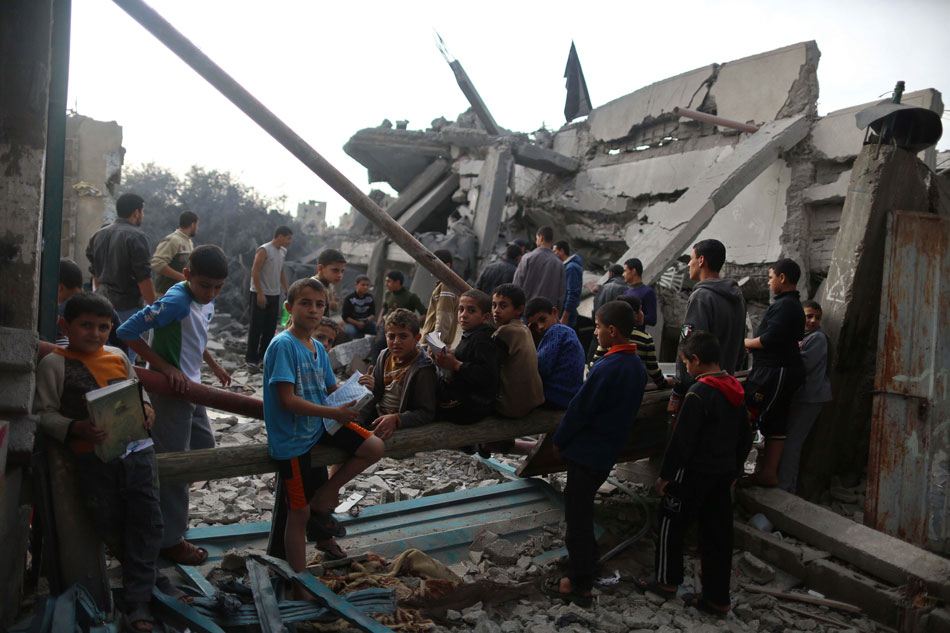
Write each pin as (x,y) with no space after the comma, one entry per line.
(646,350)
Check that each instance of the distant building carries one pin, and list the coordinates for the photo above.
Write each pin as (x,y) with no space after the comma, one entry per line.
(313,216)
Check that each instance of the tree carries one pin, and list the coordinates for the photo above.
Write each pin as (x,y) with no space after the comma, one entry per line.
(231,214)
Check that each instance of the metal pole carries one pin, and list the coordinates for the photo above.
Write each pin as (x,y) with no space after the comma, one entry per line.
(711,118)
(55,170)
(213,74)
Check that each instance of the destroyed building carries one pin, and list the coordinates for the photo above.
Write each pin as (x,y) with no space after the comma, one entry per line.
(630,178)
(633,177)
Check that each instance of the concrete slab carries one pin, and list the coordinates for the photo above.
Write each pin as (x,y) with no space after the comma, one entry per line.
(883,556)
(751,225)
(832,192)
(413,191)
(651,176)
(493,188)
(618,118)
(665,237)
(524,180)
(755,89)
(836,137)
(413,218)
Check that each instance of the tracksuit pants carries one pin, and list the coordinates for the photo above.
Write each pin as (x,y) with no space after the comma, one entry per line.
(582,485)
(704,498)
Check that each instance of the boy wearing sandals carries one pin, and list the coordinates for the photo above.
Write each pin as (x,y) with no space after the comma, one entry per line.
(180,321)
(591,435)
(297,380)
(705,455)
(122,494)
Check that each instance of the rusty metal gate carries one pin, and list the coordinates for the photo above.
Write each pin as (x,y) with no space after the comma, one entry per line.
(910,427)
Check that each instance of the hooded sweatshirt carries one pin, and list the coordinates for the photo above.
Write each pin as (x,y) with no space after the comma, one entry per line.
(712,435)
(715,306)
(418,402)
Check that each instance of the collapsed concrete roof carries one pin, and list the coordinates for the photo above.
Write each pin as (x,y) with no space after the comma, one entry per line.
(634,178)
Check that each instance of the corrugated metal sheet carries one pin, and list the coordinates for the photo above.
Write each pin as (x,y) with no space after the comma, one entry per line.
(910,429)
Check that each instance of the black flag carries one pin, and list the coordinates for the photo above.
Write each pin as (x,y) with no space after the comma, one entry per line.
(578,100)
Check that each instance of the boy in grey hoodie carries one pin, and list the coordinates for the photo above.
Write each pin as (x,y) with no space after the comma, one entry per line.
(716,306)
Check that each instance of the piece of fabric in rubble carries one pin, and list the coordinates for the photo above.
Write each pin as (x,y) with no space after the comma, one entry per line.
(435,581)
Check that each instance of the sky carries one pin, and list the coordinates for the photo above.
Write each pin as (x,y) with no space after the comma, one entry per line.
(330,69)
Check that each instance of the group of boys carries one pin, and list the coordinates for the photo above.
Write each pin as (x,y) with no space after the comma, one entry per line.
(513,356)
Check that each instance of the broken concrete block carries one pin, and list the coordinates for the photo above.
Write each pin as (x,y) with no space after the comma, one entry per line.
(665,238)
(493,189)
(18,352)
(501,552)
(341,355)
(233,560)
(620,117)
(760,571)
(482,539)
(757,88)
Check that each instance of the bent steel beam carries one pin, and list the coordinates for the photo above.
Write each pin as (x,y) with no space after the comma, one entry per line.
(239,96)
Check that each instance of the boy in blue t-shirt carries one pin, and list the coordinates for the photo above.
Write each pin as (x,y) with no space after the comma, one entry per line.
(180,320)
(297,380)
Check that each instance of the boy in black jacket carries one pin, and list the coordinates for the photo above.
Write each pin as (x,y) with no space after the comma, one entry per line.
(777,368)
(705,455)
(469,383)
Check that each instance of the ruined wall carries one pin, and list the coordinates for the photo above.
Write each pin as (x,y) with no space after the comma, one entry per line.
(93,171)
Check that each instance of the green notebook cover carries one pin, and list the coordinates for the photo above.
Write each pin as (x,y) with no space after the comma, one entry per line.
(118,409)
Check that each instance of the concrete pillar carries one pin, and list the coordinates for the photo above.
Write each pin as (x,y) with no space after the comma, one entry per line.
(25,77)
(493,189)
(882,180)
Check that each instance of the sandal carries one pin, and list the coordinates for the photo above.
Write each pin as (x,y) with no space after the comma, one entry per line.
(650,584)
(331,549)
(184,553)
(138,619)
(321,526)
(551,587)
(700,603)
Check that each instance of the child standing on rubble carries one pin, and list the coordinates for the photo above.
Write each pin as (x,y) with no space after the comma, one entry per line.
(297,380)
(180,320)
(592,433)
(469,382)
(404,380)
(705,455)
(122,494)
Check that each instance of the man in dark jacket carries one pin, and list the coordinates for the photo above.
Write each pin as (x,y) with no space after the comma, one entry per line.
(573,280)
(540,273)
(777,367)
(612,288)
(501,272)
(715,306)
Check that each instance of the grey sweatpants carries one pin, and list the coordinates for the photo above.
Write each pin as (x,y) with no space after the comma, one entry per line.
(801,417)
(179,426)
(122,497)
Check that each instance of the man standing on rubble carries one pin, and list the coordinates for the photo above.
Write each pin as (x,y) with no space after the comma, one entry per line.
(573,278)
(716,306)
(171,254)
(267,278)
(633,275)
(120,260)
(501,272)
(541,273)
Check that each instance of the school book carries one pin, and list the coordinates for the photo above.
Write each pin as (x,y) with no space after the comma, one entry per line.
(347,392)
(434,339)
(117,408)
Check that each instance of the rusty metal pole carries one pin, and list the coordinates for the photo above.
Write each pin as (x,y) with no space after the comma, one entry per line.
(156,382)
(215,75)
(711,118)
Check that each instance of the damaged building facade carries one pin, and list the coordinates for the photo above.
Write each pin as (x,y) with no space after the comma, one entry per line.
(636,179)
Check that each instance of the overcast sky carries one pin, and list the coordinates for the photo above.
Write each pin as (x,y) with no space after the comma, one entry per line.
(330,69)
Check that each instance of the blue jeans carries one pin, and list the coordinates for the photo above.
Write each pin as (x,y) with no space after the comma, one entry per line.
(354,332)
